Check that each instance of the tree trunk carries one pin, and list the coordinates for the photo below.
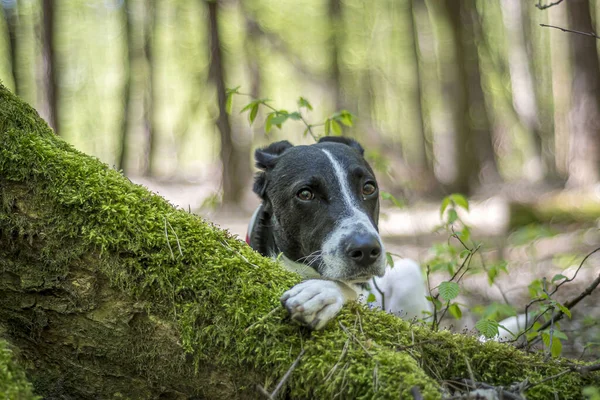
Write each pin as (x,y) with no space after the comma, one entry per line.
(150,88)
(11,19)
(107,291)
(584,116)
(422,161)
(336,26)
(234,162)
(462,89)
(51,75)
(125,121)
(523,90)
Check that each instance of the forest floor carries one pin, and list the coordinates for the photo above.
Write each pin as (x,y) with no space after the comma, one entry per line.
(531,252)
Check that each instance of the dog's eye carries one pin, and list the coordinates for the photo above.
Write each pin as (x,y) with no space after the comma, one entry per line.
(369,188)
(305,195)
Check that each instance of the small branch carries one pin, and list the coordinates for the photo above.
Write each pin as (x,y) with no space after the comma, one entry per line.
(355,339)
(264,317)
(591,34)
(583,370)
(570,304)
(470,384)
(541,6)
(381,293)
(283,380)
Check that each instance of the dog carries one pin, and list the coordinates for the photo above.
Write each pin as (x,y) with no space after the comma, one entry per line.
(319,215)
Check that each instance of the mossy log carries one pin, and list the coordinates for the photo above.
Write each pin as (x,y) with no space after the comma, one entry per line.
(562,207)
(107,290)
(13,383)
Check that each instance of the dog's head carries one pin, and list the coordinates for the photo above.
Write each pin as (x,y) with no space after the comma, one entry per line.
(324,205)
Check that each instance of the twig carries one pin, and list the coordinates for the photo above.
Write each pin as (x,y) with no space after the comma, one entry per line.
(273,394)
(355,338)
(573,302)
(468,383)
(540,6)
(335,367)
(591,34)
(381,293)
(176,237)
(262,318)
(239,254)
(583,370)
(569,304)
(167,236)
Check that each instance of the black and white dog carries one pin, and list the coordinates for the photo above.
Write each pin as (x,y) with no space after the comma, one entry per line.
(320,210)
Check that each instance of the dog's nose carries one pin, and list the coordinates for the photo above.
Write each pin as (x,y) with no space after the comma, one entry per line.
(363,249)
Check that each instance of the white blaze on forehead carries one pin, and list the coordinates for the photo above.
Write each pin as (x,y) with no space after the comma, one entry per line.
(356,219)
(343,181)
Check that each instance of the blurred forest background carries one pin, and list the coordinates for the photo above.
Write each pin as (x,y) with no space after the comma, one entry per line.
(470,96)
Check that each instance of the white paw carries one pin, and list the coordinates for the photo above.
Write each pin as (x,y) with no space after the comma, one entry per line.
(314,302)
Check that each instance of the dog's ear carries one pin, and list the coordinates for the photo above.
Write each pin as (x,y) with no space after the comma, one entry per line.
(265,159)
(344,140)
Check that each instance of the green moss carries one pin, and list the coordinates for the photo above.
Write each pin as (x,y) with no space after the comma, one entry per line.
(13,383)
(214,292)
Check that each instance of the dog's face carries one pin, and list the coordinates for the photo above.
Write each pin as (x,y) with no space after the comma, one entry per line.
(324,203)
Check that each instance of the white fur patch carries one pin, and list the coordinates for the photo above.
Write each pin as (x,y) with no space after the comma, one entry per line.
(356,220)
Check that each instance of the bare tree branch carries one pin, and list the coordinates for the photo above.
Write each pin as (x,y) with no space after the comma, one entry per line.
(592,34)
(545,6)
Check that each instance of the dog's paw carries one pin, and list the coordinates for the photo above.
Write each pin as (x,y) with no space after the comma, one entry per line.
(314,302)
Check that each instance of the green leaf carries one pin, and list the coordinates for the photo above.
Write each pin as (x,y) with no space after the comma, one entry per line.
(390,197)
(232,90)
(336,128)
(253,113)
(464,234)
(487,327)
(449,290)
(555,346)
(280,118)
(460,200)
(269,122)
(558,277)
(445,204)
(248,106)
(295,116)
(346,118)
(452,216)
(302,102)
(455,311)
(564,309)
(327,127)
(464,253)
(389,259)
(371,298)
(436,303)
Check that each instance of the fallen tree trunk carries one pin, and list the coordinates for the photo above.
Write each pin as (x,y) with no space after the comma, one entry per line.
(107,290)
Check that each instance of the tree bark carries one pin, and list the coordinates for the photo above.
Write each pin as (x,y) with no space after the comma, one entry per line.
(523,90)
(11,19)
(423,164)
(125,121)
(106,291)
(234,161)
(584,116)
(336,26)
(51,75)
(149,97)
